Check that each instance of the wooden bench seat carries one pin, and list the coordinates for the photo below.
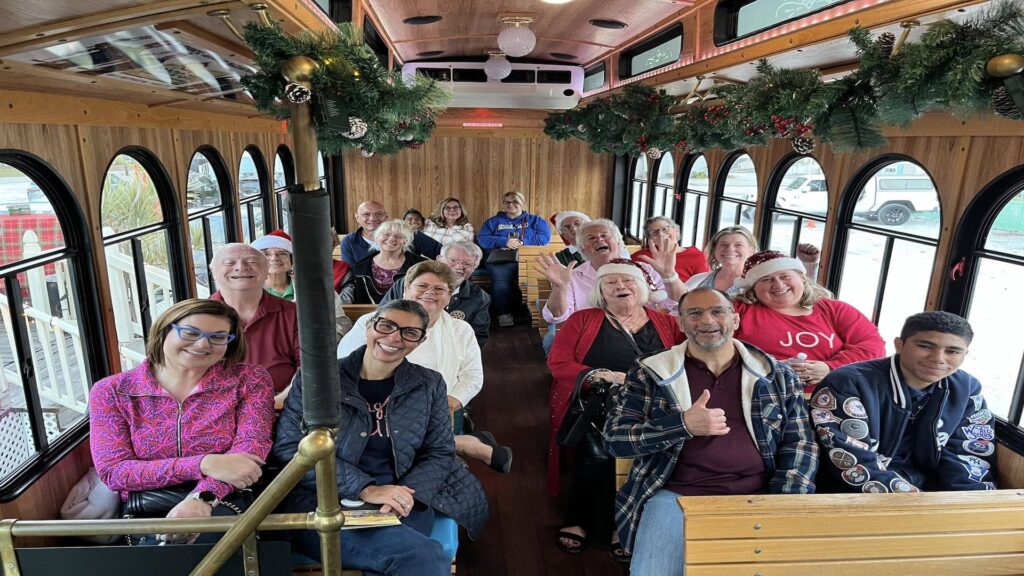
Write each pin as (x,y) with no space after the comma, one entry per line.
(355,311)
(941,533)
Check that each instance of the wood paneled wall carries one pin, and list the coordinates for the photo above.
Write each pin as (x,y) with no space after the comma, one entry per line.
(553,176)
(961,156)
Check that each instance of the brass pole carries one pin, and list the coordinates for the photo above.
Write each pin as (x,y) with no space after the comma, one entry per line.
(317,445)
(120,526)
(329,518)
(261,9)
(225,17)
(904,33)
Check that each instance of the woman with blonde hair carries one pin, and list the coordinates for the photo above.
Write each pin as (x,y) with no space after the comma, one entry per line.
(449,223)
(727,251)
(371,278)
(787,314)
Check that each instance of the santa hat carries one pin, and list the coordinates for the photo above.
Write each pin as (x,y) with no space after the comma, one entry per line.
(561,217)
(277,239)
(764,263)
(637,271)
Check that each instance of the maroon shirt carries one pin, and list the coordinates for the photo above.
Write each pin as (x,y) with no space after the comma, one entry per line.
(272,338)
(719,465)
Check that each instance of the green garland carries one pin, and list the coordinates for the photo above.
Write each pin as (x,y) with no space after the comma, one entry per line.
(356,102)
(945,69)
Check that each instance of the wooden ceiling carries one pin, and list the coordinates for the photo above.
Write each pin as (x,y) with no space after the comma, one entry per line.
(470,27)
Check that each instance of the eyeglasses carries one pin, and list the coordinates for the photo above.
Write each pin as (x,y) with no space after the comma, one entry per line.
(277,254)
(455,208)
(717,312)
(510,202)
(424,288)
(377,215)
(460,263)
(408,333)
(193,334)
(663,231)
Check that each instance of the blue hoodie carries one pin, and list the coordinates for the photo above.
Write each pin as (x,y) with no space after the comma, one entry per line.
(533,230)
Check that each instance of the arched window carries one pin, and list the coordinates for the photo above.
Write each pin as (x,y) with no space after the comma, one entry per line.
(210,223)
(985,274)
(737,195)
(637,202)
(253,194)
(52,348)
(890,233)
(284,176)
(663,197)
(799,205)
(139,219)
(694,202)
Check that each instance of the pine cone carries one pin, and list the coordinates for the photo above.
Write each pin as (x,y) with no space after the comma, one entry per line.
(297,93)
(885,42)
(803,144)
(357,128)
(653,153)
(1003,103)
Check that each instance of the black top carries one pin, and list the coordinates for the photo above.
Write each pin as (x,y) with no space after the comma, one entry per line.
(377,458)
(611,349)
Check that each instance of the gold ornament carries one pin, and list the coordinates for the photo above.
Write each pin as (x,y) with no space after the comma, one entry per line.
(299,69)
(1005,65)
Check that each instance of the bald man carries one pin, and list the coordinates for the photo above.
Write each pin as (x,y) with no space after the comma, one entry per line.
(369,215)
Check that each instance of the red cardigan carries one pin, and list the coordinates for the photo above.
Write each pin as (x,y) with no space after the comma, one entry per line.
(572,342)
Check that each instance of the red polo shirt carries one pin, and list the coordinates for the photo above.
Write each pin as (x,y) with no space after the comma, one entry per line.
(688,262)
(719,465)
(272,338)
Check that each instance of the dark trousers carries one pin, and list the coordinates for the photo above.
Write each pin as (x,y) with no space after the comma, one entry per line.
(405,550)
(592,491)
(504,286)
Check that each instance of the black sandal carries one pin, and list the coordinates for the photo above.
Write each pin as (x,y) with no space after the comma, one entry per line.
(579,542)
(501,456)
(619,554)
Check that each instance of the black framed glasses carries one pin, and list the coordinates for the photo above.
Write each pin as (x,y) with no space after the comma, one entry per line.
(193,334)
(717,312)
(408,333)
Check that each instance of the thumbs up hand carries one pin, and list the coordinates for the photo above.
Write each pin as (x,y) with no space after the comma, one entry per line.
(703,421)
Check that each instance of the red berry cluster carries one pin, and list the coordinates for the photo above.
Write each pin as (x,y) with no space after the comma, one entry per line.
(756,130)
(790,127)
(641,142)
(653,98)
(682,145)
(715,114)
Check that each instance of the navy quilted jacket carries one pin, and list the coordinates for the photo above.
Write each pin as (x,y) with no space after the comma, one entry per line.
(421,436)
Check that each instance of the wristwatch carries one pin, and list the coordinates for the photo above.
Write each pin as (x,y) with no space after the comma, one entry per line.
(206,497)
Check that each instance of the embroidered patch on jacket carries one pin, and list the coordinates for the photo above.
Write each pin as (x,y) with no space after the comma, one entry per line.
(979,447)
(901,485)
(858,443)
(857,475)
(820,416)
(458,315)
(978,401)
(974,473)
(857,429)
(980,417)
(824,399)
(842,459)
(854,408)
(825,436)
(975,461)
(979,432)
(874,487)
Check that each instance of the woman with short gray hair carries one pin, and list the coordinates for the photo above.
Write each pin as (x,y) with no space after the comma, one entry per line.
(371,278)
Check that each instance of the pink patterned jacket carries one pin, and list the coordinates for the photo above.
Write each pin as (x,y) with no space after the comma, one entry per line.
(142,439)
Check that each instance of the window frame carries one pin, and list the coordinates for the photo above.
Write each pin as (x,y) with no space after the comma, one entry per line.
(968,248)
(684,191)
(718,196)
(288,164)
(263,197)
(77,252)
(725,22)
(599,68)
(645,198)
(766,219)
(227,206)
(845,224)
(663,36)
(670,191)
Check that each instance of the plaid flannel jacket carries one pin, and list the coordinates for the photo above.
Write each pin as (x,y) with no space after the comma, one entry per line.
(646,424)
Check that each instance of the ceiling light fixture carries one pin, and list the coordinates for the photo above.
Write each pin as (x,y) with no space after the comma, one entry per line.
(607,23)
(497,66)
(516,40)
(422,20)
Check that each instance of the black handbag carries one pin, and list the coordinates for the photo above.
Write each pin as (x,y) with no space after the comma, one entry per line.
(586,409)
(502,256)
(157,503)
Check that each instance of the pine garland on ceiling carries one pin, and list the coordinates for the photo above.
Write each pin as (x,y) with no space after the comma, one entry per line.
(357,103)
(944,69)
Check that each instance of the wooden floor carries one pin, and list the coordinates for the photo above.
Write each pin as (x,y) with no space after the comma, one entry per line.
(520,538)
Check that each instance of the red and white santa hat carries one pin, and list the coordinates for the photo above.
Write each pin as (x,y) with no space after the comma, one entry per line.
(637,271)
(561,217)
(764,263)
(277,239)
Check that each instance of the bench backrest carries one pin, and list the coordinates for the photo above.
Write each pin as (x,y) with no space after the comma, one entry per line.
(355,311)
(977,533)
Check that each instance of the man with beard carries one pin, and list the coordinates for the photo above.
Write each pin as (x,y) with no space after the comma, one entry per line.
(710,416)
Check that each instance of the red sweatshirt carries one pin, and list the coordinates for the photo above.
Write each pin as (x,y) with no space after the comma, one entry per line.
(688,262)
(834,332)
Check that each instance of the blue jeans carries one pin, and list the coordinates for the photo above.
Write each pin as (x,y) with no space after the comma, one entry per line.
(504,286)
(405,550)
(658,548)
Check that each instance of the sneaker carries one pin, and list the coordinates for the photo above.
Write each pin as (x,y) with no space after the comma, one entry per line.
(506,320)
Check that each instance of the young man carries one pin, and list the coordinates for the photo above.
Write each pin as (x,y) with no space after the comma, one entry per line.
(910,422)
(711,416)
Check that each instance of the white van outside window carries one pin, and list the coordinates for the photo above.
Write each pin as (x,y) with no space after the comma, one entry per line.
(892,200)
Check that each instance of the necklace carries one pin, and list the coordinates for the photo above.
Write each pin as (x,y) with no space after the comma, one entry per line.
(630,322)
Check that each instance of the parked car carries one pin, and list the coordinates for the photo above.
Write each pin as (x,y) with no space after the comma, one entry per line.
(891,200)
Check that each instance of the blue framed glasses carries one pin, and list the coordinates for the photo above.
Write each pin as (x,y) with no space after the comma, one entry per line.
(193,334)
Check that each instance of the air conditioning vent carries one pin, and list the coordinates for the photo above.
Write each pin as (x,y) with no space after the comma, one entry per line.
(554,77)
(536,86)
(521,77)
